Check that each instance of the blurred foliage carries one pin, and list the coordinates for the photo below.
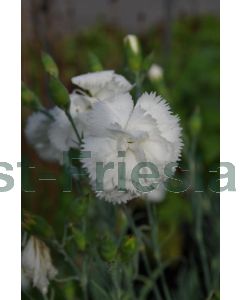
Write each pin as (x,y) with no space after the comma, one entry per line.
(107,250)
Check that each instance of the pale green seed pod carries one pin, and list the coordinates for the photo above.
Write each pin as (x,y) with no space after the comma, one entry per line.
(108,249)
(195,122)
(133,52)
(94,62)
(128,247)
(28,98)
(79,238)
(49,65)
(59,94)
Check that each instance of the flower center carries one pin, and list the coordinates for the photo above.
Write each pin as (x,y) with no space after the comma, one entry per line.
(129,141)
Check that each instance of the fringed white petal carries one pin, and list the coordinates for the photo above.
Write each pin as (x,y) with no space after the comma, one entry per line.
(103,84)
(147,132)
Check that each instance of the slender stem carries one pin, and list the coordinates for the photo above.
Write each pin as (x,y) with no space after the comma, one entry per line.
(211,295)
(70,278)
(138,80)
(85,294)
(62,251)
(129,281)
(116,279)
(154,238)
(46,113)
(45,297)
(74,267)
(148,284)
(200,242)
(84,279)
(145,258)
(27,295)
(73,125)
(52,294)
(197,212)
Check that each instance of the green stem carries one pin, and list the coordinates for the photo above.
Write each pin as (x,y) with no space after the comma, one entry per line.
(45,297)
(116,279)
(27,295)
(46,113)
(197,213)
(200,242)
(85,293)
(84,281)
(138,81)
(52,294)
(145,258)
(67,279)
(67,258)
(154,238)
(129,282)
(74,267)
(148,284)
(73,125)
(211,295)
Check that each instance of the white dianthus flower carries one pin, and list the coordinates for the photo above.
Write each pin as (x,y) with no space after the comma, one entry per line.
(61,132)
(37,265)
(36,132)
(52,136)
(147,132)
(101,85)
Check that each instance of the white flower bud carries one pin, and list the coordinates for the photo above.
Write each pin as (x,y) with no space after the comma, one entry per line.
(133,43)
(155,72)
(37,265)
(133,52)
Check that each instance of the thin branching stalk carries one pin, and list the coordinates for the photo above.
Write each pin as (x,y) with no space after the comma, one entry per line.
(66,279)
(197,213)
(129,281)
(138,80)
(67,258)
(145,258)
(116,281)
(46,113)
(45,297)
(73,125)
(154,239)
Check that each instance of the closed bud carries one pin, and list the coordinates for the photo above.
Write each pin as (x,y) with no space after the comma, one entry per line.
(49,65)
(195,122)
(69,290)
(155,73)
(108,249)
(37,265)
(122,221)
(128,247)
(59,94)
(29,99)
(94,62)
(79,209)
(37,225)
(79,238)
(131,41)
(133,52)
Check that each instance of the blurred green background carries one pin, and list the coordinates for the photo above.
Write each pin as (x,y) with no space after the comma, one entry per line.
(190,59)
